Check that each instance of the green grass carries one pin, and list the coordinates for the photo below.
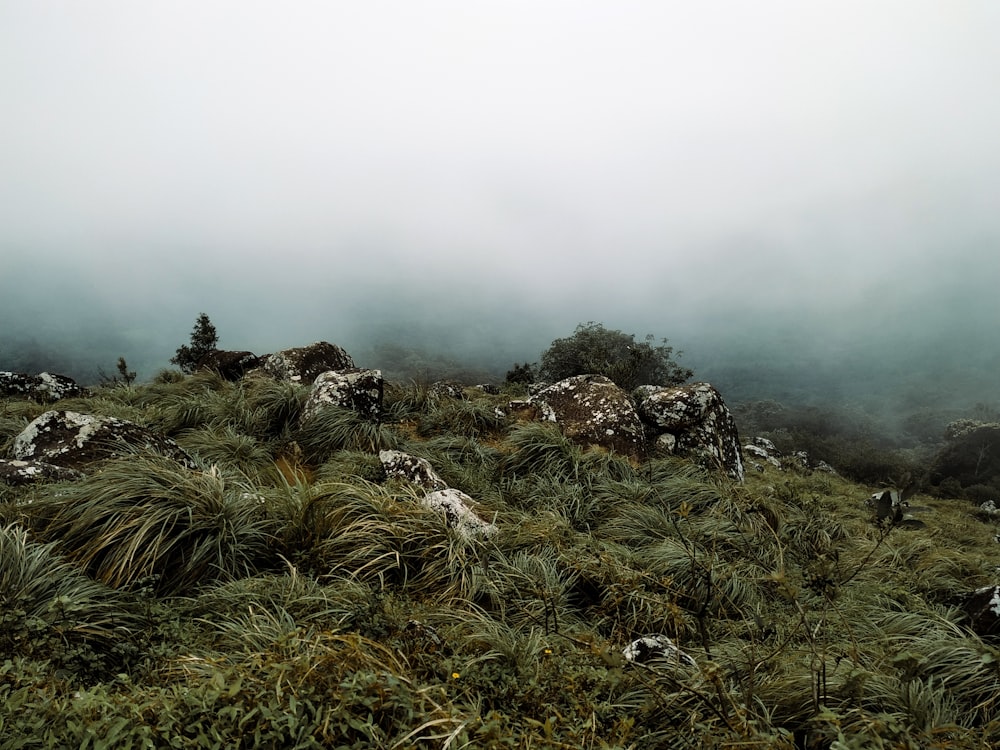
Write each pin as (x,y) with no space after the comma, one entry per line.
(285,594)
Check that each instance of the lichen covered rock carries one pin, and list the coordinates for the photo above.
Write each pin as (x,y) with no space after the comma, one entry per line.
(73,440)
(592,411)
(44,387)
(456,507)
(400,465)
(651,647)
(699,421)
(18,473)
(304,364)
(359,390)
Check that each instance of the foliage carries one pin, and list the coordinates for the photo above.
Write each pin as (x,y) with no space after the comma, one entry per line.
(594,349)
(203,342)
(287,594)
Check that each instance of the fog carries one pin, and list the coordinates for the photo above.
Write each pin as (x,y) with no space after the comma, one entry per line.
(801,196)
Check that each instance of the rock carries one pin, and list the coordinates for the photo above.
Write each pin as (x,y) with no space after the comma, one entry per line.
(304,364)
(44,387)
(982,607)
(456,507)
(593,411)
(444,389)
(360,390)
(18,473)
(650,647)
(989,511)
(230,365)
(419,471)
(75,441)
(489,388)
(698,419)
(764,451)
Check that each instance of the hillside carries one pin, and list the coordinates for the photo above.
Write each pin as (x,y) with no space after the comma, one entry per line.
(288,592)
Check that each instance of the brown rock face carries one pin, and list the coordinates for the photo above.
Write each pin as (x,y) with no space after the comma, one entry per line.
(75,441)
(592,410)
(230,365)
(694,421)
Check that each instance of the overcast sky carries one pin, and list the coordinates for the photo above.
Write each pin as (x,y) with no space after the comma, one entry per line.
(648,163)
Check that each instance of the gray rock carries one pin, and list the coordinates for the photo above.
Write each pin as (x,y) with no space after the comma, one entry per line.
(75,441)
(19,473)
(456,507)
(592,411)
(651,647)
(360,390)
(304,364)
(699,420)
(44,387)
(400,465)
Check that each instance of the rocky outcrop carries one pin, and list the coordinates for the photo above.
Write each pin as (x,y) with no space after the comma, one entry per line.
(441,390)
(76,441)
(592,411)
(651,647)
(304,364)
(18,473)
(454,505)
(359,390)
(693,421)
(413,469)
(230,365)
(44,387)
(760,451)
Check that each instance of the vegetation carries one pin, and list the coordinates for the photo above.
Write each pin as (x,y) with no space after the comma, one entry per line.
(594,349)
(286,594)
(203,342)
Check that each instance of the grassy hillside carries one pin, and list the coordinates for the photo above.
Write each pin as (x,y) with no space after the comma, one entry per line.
(287,595)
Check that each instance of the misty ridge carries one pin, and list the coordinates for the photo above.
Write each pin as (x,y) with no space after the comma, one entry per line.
(869,396)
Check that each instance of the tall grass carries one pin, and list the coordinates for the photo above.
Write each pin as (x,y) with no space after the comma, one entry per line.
(146,516)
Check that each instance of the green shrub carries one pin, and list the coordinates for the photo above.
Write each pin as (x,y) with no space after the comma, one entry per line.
(594,349)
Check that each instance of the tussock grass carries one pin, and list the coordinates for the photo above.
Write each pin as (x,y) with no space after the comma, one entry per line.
(147,516)
(335,429)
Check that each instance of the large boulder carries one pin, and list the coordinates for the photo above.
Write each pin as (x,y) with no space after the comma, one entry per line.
(592,411)
(76,441)
(360,390)
(230,365)
(693,421)
(304,364)
(44,387)
(18,473)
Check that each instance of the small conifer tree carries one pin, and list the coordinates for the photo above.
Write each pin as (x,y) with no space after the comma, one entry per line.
(203,341)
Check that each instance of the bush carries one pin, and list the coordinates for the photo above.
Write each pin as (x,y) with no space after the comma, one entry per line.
(594,349)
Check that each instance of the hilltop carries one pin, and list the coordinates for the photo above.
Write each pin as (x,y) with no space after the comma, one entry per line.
(271,578)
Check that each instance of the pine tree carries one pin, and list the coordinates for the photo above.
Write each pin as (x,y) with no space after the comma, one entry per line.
(203,341)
